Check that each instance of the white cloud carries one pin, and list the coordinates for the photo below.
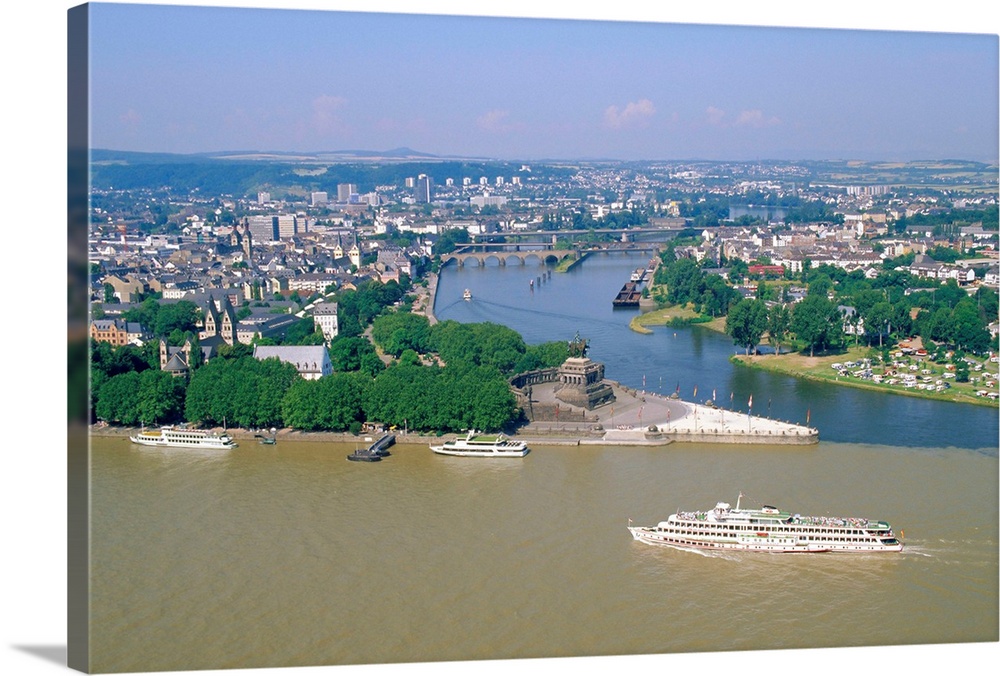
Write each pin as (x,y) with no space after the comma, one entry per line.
(747,118)
(715,116)
(495,121)
(324,116)
(636,112)
(755,118)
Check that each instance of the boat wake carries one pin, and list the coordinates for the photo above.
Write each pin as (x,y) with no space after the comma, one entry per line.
(707,553)
(448,306)
(542,313)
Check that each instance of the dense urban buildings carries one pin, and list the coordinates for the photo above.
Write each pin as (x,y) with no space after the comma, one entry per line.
(254,262)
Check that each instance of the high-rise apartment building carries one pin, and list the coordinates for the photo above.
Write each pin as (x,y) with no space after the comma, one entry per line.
(287,225)
(422,189)
(263,228)
(345,190)
(273,228)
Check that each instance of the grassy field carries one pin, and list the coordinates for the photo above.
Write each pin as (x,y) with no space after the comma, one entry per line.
(566,263)
(673,315)
(820,367)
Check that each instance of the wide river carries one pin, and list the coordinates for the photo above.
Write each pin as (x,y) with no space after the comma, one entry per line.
(290,555)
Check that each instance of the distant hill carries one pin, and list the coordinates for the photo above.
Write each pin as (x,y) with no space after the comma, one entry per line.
(281,173)
(247,172)
(106,156)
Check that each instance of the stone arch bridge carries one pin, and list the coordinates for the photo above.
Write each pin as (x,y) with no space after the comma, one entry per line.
(504,254)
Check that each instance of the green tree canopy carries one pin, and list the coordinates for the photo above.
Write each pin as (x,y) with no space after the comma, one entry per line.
(746,323)
(330,403)
(244,392)
(779,321)
(304,332)
(398,331)
(182,315)
(346,352)
(878,320)
(816,322)
(436,398)
(132,398)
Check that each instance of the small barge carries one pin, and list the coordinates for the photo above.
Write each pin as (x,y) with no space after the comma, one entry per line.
(375,452)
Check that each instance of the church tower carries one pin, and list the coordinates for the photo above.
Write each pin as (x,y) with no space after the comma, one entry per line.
(247,241)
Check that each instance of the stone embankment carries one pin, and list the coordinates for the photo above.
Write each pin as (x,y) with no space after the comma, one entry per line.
(643,418)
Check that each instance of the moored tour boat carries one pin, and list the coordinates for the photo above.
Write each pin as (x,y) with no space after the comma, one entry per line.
(182,437)
(767,530)
(479,445)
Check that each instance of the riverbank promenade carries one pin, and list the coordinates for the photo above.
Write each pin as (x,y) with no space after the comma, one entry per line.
(637,417)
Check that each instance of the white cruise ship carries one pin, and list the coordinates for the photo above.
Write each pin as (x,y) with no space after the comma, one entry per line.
(181,437)
(768,530)
(483,446)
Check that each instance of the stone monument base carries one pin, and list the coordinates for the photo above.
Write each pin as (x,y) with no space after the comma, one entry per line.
(581,383)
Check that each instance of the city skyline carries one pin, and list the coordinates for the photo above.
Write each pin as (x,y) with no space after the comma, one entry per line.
(215,79)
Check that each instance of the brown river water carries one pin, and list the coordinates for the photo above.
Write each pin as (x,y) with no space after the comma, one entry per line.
(291,555)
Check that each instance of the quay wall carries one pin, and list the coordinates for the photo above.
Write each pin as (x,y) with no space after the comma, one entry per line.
(430,299)
(554,435)
(764,437)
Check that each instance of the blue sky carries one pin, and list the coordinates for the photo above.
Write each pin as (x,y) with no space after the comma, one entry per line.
(192,79)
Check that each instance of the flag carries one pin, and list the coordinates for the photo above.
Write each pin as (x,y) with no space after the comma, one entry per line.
(695,391)
(750,403)
(678,388)
(807,415)
(713,394)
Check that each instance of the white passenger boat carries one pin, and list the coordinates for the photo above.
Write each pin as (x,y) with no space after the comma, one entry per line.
(480,445)
(768,530)
(182,437)
(467,295)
